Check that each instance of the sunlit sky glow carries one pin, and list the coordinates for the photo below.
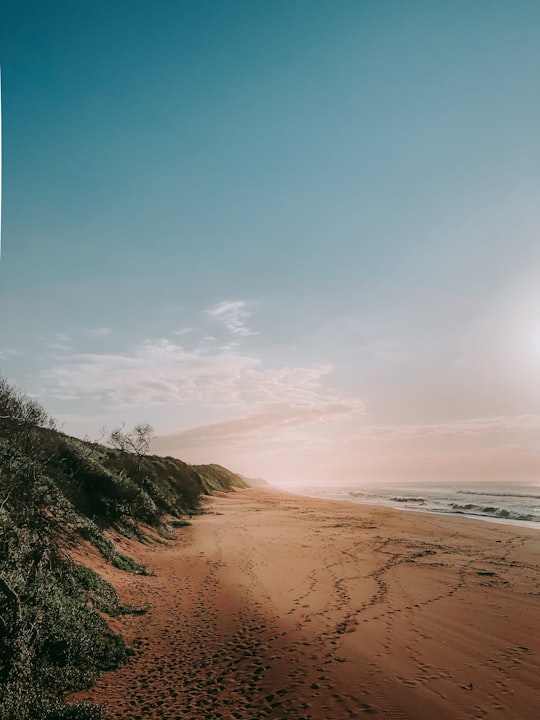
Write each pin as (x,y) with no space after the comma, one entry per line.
(300,238)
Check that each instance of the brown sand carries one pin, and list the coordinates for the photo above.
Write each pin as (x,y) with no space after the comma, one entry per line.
(278,606)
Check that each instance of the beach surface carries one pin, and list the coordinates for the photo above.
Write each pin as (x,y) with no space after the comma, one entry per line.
(272,605)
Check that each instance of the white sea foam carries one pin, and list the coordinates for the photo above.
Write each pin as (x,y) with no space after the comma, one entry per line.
(512,503)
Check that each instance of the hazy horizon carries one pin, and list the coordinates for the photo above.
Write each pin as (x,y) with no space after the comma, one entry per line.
(298,238)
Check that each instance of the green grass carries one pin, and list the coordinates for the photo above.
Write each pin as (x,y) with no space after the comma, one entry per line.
(55,491)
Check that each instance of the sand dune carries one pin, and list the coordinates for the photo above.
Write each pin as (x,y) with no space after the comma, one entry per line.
(277,606)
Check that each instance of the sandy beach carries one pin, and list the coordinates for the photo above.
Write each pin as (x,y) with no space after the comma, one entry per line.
(272,605)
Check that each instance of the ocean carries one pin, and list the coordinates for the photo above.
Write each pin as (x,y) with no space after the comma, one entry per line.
(511,503)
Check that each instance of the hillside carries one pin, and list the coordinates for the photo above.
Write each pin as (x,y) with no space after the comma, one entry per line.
(55,492)
(215,478)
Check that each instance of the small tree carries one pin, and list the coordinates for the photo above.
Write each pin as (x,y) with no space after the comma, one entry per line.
(20,415)
(136,441)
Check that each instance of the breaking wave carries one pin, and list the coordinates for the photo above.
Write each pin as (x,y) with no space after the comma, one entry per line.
(491,511)
(498,494)
(419,500)
(516,505)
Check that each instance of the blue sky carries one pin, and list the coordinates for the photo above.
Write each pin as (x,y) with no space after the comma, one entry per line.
(299,238)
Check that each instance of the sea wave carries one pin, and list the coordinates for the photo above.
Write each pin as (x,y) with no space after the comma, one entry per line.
(490,511)
(405,499)
(517,505)
(498,494)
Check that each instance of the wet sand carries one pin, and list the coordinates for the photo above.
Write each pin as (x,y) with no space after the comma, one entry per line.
(277,606)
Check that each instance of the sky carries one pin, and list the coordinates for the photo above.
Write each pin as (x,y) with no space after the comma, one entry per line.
(298,237)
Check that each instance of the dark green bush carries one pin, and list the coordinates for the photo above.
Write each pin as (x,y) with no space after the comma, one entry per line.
(54,491)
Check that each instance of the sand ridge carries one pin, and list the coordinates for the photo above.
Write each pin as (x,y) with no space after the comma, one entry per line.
(277,606)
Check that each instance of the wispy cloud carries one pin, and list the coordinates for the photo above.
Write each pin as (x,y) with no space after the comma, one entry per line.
(203,374)
(58,346)
(233,314)
(98,332)
(59,342)
(272,424)
(162,372)
(8,353)
(155,372)
(467,427)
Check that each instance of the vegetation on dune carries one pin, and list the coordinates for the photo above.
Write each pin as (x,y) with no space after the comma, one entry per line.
(51,638)
(216,478)
(54,491)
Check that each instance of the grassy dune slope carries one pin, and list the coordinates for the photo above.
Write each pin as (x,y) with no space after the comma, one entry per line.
(55,491)
(215,478)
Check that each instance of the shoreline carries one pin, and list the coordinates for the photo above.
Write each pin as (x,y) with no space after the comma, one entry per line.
(531,524)
(275,605)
